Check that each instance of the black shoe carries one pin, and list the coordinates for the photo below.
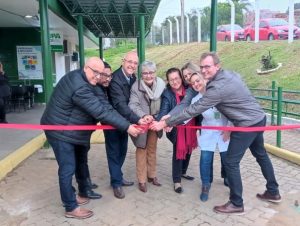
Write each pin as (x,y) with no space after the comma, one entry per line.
(187,177)
(178,188)
(91,184)
(119,193)
(3,121)
(127,183)
(90,194)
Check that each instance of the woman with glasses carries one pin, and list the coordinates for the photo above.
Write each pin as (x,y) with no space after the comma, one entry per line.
(209,140)
(145,100)
(183,140)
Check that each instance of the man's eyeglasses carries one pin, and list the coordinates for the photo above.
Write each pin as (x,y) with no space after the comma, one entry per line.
(131,62)
(99,74)
(205,67)
(146,73)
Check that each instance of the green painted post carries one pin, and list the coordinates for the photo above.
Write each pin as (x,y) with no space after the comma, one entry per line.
(81,42)
(101,53)
(213,25)
(273,103)
(142,38)
(138,47)
(279,115)
(46,50)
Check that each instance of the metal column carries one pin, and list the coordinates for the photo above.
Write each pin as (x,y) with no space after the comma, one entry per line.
(81,43)
(213,26)
(101,53)
(46,50)
(142,38)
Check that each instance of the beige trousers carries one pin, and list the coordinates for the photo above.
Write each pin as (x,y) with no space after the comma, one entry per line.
(146,159)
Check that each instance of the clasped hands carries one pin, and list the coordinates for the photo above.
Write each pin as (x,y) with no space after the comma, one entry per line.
(153,125)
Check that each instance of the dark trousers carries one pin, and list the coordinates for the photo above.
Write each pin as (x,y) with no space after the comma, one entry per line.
(71,159)
(239,142)
(116,144)
(2,110)
(179,166)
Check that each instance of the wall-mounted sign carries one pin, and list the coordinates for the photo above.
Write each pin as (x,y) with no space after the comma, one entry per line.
(29,62)
(56,41)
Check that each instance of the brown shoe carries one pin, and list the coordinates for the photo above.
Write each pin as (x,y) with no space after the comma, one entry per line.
(119,193)
(143,187)
(79,213)
(82,200)
(154,181)
(229,208)
(267,196)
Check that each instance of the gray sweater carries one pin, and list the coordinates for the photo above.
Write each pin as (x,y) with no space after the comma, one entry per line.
(229,94)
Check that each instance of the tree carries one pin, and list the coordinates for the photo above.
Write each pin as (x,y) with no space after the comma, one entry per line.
(224,15)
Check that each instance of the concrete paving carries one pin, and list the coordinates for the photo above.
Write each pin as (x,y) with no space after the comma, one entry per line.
(29,195)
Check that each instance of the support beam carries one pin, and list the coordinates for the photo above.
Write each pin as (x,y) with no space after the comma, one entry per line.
(187,28)
(80,40)
(142,38)
(199,26)
(101,53)
(171,33)
(232,20)
(291,21)
(177,29)
(213,25)
(141,42)
(257,17)
(46,50)
(182,21)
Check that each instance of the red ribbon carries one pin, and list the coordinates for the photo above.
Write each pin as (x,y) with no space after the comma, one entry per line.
(143,127)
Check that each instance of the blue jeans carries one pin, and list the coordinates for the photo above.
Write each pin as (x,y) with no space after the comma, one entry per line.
(239,143)
(71,159)
(206,166)
(116,143)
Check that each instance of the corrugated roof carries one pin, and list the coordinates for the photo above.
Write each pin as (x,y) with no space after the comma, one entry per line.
(113,18)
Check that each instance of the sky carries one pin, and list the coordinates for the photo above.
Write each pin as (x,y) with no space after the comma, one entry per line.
(172,7)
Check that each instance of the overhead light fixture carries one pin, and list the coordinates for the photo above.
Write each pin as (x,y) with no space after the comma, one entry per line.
(28,16)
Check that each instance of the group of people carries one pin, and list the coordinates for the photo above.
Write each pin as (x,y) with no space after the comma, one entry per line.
(203,94)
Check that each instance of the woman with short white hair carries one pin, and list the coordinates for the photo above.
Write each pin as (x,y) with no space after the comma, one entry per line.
(145,99)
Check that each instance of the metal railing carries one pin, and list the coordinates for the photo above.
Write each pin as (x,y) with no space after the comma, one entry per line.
(279,103)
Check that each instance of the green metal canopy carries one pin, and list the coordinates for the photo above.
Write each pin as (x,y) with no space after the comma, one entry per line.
(113,18)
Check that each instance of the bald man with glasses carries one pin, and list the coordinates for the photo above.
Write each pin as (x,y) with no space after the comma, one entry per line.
(75,101)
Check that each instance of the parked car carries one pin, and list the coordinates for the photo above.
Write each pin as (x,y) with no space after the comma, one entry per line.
(224,32)
(271,29)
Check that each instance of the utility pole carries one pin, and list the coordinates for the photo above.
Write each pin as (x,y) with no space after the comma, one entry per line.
(182,21)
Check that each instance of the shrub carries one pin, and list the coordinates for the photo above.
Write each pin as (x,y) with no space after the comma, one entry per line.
(268,62)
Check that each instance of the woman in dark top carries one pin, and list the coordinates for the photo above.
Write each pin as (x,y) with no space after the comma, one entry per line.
(183,140)
(4,93)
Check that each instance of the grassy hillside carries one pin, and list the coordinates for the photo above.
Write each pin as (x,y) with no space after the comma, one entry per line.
(243,57)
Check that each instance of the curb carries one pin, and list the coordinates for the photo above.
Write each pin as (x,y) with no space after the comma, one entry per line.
(14,159)
(10,162)
(283,153)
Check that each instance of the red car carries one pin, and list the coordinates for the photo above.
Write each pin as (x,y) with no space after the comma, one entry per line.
(224,32)
(270,29)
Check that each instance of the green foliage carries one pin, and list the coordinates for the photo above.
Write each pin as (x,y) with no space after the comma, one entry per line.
(224,14)
(268,62)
